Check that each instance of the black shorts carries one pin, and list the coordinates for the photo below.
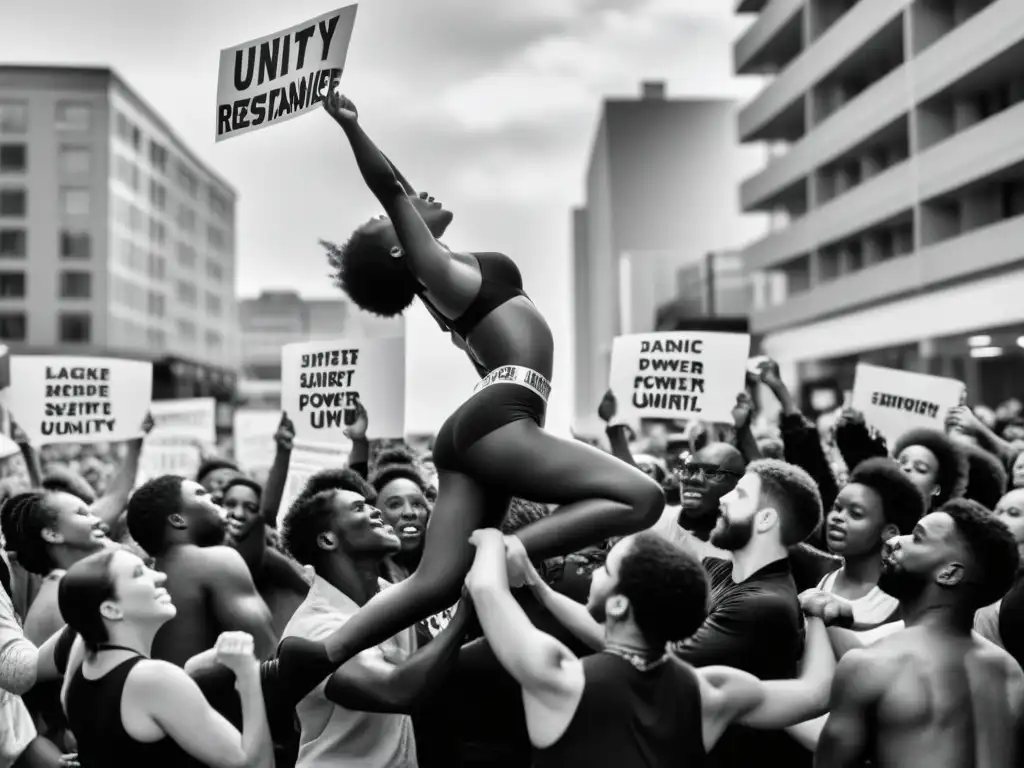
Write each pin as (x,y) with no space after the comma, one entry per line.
(487,410)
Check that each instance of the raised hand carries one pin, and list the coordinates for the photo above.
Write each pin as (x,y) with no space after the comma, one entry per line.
(237,652)
(285,435)
(768,372)
(339,106)
(608,407)
(148,424)
(743,410)
(357,430)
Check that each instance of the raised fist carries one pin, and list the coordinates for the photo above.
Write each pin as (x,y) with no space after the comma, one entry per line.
(237,652)
(832,610)
(339,106)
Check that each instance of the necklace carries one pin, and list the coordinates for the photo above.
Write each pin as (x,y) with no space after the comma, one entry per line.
(641,661)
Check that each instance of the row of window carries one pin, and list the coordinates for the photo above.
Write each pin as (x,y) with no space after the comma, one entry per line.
(72,327)
(73,245)
(69,116)
(72,285)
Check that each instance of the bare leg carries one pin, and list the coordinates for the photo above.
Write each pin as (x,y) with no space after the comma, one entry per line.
(602,496)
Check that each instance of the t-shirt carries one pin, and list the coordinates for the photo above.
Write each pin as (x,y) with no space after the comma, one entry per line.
(755,625)
(332,735)
(870,611)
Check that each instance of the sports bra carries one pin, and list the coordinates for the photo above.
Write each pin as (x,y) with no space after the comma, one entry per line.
(500,281)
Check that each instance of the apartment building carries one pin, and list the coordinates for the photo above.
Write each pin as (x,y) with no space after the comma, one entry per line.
(895,187)
(115,238)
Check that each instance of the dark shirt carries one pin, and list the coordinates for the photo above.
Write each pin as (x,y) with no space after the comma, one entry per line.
(755,626)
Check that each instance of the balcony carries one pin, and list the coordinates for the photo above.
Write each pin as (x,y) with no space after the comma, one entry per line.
(836,45)
(879,198)
(772,41)
(991,248)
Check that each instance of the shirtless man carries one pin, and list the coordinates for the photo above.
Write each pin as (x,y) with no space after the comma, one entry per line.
(176,522)
(933,695)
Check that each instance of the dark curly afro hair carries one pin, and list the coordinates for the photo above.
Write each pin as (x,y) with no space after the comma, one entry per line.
(393,463)
(986,478)
(367,272)
(952,475)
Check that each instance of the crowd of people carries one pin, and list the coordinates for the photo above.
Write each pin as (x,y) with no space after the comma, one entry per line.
(769,592)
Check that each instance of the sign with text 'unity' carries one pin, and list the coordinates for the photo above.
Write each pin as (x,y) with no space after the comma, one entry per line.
(275,78)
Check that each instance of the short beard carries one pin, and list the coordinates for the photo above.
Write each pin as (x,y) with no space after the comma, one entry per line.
(901,584)
(735,536)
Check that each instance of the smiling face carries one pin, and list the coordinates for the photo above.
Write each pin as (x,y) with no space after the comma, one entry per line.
(242,507)
(359,528)
(74,526)
(139,596)
(856,523)
(406,510)
(922,467)
(705,478)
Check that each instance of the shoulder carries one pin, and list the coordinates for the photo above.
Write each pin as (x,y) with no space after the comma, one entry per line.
(153,675)
(224,559)
(862,672)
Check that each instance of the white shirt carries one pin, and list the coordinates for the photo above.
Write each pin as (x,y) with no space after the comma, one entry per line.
(870,611)
(331,735)
(17,674)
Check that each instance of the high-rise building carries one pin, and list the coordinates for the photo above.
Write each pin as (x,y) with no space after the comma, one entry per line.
(660,194)
(896,187)
(276,318)
(115,238)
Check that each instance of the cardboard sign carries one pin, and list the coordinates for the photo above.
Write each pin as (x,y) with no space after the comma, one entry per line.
(678,375)
(67,399)
(322,381)
(254,438)
(192,419)
(275,78)
(895,401)
(170,458)
(306,460)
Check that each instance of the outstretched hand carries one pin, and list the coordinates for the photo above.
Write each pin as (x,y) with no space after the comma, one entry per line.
(339,106)
(360,422)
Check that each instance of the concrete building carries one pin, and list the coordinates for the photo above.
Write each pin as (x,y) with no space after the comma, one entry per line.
(660,194)
(896,187)
(115,238)
(276,318)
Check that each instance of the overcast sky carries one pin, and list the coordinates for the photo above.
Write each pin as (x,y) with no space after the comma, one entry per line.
(489,105)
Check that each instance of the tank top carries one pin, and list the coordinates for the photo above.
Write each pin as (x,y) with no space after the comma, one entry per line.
(626,717)
(500,281)
(94,713)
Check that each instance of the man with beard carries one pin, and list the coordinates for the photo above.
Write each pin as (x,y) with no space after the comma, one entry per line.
(177,523)
(934,695)
(754,622)
(632,703)
(280,582)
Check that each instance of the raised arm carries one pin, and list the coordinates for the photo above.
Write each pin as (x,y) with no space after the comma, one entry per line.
(273,490)
(429,260)
(236,603)
(371,683)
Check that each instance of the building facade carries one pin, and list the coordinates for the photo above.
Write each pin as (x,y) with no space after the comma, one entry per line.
(660,194)
(115,238)
(896,187)
(276,318)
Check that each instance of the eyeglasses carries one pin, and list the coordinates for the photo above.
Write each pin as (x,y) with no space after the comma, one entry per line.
(690,470)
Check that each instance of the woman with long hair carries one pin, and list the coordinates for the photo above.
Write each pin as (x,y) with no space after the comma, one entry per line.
(493,447)
(127,709)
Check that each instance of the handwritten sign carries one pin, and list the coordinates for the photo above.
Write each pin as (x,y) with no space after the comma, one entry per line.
(323,381)
(192,419)
(275,78)
(254,438)
(58,399)
(678,375)
(305,461)
(894,401)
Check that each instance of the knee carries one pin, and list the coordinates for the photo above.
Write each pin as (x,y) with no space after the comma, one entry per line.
(648,501)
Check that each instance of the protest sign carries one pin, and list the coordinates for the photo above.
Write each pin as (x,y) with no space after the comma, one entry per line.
(66,399)
(275,78)
(168,458)
(322,382)
(306,460)
(254,438)
(893,401)
(192,419)
(678,375)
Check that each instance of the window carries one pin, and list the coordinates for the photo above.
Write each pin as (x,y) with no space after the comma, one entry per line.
(75,285)
(12,285)
(213,340)
(157,232)
(156,338)
(157,304)
(214,270)
(72,116)
(75,161)
(187,181)
(75,328)
(74,201)
(75,245)
(13,243)
(187,219)
(13,117)
(187,293)
(213,303)
(128,173)
(157,195)
(215,238)
(187,330)
(13,158)
(136,219)
(186,256)
(158,157)
(157,266)
(13,203)
(13,326)
(123,127)
(220,206)
(136,138)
